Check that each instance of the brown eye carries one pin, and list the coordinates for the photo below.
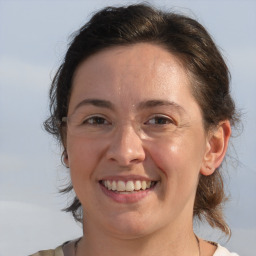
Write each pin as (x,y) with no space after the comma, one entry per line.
(160,120)
(96,120)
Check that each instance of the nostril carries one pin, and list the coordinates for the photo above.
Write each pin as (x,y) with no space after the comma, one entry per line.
(126,147)
(126,159)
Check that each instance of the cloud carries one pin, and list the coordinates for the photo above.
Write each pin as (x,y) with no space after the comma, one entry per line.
(23,74)
(32,228)
(240,245)
(237,243)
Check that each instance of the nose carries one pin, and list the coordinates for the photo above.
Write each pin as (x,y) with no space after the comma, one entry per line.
(126,147)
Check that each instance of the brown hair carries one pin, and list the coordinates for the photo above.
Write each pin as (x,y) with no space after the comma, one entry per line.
(182,36)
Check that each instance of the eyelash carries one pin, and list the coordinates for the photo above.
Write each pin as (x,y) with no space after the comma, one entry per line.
(166,119)
(99,120)
(94,118)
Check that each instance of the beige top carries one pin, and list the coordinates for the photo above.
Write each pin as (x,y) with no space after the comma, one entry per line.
(69,251)
(57,252)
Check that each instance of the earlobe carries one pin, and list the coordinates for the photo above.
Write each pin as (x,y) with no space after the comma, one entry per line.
(217,144)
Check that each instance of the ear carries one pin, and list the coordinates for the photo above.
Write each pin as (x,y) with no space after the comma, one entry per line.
(216,148)
(64,144)
(65,158)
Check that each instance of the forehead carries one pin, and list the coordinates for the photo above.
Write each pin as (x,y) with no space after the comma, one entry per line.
(128,74)
(141,57)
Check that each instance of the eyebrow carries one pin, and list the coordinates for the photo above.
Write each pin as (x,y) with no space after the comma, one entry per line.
(142,105)
(95,102)
(157,103)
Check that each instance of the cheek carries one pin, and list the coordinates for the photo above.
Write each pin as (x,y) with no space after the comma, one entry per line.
(179,161)
(83,156)
(81,149)
(178,157)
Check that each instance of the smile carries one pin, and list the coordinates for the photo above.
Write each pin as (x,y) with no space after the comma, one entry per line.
(121,186)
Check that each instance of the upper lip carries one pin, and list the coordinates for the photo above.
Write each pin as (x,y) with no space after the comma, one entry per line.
(127,178)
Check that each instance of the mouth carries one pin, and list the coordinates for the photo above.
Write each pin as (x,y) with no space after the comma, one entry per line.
(127,187)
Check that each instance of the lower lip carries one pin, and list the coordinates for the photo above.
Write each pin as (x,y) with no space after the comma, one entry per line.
(132,197)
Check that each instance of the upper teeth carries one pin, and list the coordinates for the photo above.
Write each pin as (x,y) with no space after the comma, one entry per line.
(126,186)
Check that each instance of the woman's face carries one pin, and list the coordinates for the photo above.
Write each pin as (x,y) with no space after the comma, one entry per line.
(135,141)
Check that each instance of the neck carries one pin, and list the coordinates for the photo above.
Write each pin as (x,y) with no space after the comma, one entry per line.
(177,240)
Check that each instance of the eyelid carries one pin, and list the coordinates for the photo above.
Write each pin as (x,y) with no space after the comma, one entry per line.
(95,116)
(162,116)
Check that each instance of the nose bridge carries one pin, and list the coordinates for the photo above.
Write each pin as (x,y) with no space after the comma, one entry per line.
(126,146)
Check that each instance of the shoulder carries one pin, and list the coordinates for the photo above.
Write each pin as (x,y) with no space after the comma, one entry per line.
(55,252)
(222,251)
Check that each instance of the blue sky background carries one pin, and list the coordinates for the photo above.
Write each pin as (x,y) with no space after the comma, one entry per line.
(33,40)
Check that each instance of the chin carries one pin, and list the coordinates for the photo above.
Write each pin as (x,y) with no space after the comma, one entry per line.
(130,226)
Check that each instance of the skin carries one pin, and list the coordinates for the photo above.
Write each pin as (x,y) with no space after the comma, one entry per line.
(172,149)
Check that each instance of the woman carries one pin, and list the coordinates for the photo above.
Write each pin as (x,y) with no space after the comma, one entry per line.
(142,107)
